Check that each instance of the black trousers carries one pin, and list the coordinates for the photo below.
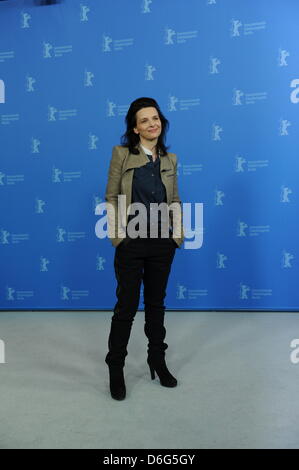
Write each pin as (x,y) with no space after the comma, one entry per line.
(136,260)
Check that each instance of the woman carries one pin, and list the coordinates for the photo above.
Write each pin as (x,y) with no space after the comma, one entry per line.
(141,171)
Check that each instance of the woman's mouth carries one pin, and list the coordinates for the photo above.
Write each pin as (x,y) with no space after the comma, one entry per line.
(153,130)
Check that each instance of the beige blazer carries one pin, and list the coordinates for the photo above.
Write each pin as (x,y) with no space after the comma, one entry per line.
(120,178)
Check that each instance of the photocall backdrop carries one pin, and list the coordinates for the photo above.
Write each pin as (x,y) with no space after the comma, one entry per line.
(224,72)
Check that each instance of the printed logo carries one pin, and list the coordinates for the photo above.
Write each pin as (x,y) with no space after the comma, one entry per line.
(189,169)
(25,17)
(282,55)
(84,9)
(100,263)
(39,206)
(14,295)
(43,264)
(117,44)
(249,98)
(214,62)
(145,6)
(63,114)
(88,76)
(71,236)
(15,237)
(50,51)
(191,294)
(283,127)
(67,294)
(241,229)
(149,70)
(92,141)
(286,259)
(121,110)
(219,195)
(252,165)
(249,28)
(235,28)
(284,193)
(35,144)
(220,261)
(9,118)
(254,230)
(172,37)
(11,179)
(29,83)
(244,289)
(4,234)
(216,129)
(181,289)
(67,176)
(176,104)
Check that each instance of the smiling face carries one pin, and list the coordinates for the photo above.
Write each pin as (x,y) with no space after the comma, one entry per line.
(148,124)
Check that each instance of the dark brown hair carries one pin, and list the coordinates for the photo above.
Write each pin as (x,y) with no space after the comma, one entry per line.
(130,139)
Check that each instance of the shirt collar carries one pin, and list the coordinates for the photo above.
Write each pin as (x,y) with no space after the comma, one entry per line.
(147,151)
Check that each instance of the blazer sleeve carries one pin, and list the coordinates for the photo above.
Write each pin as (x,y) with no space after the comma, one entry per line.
(113,189)
(177,219)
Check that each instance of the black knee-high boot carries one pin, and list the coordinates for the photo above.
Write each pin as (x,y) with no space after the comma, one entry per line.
(156,332)
(115,359)
(118,341)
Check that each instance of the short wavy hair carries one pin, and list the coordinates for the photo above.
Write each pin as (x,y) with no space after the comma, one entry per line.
(130,139)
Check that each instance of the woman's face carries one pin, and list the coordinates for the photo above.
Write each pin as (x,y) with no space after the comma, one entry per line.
(148,123)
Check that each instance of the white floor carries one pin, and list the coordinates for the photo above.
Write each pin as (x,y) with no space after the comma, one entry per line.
(237,387)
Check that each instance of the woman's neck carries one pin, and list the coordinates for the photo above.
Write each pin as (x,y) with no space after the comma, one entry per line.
(152,149)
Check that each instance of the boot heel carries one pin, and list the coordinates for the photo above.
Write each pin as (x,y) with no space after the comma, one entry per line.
(166,379)
(152,372)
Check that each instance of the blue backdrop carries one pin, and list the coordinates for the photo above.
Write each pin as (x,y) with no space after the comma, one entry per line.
(225,74)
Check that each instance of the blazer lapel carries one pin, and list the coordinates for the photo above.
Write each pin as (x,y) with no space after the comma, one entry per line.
(135,161)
